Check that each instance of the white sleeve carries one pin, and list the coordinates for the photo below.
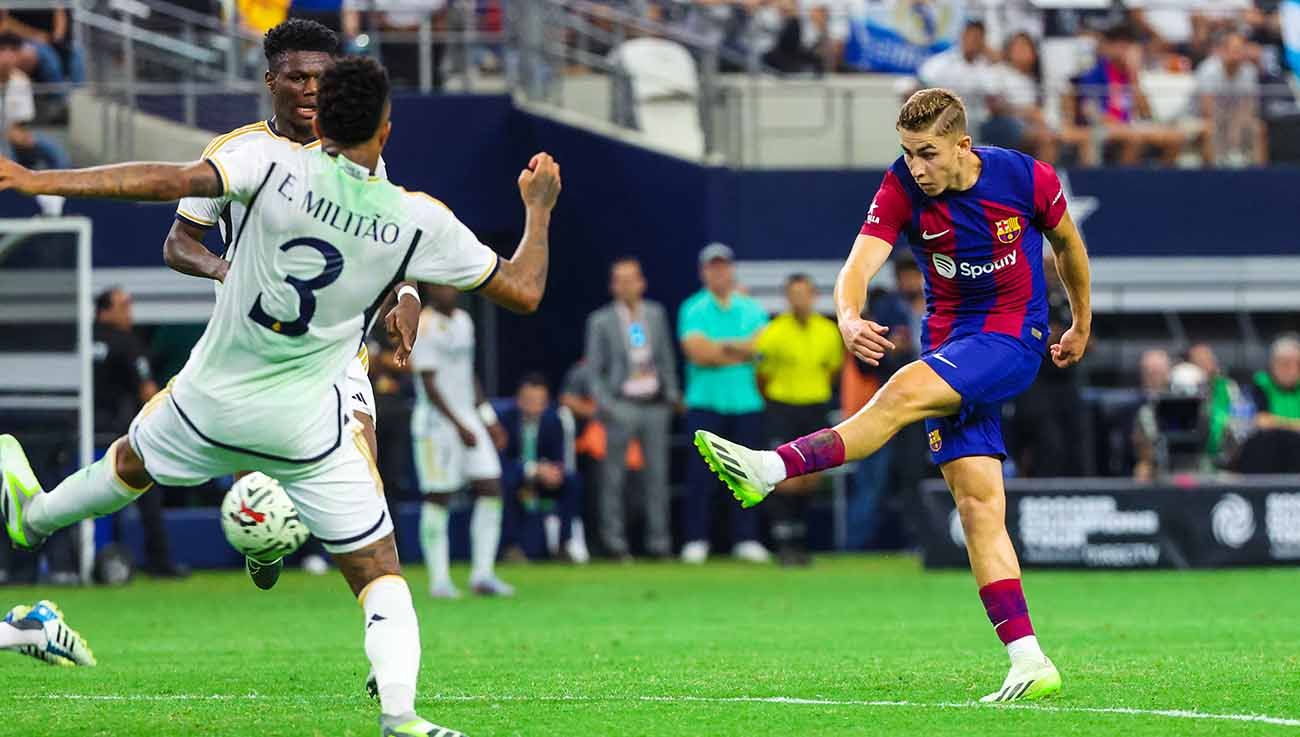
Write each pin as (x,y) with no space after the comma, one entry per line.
(424,354)
(242,165)
(381,169)
(204,211)
(449,252)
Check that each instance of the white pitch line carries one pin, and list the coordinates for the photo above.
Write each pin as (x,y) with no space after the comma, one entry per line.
(795,701)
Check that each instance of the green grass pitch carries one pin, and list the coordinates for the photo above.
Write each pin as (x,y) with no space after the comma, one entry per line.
(853,646)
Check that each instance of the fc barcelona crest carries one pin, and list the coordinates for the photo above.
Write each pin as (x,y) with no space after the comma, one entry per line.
(936,442)
(1008,230)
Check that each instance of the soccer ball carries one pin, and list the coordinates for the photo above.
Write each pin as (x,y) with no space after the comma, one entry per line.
(260,520)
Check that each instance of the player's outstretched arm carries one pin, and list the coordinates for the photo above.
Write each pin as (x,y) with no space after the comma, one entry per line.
(864,338)
(184,251)
(144,181)
(1072,265)
(520,281)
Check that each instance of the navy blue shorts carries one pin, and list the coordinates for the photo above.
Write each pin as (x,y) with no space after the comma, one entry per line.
(986,369)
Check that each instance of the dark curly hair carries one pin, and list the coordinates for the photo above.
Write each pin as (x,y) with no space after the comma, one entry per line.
(351,100)
(298,34)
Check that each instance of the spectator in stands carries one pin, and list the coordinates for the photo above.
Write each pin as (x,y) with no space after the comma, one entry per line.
(1016,107)
(49,34)
(123,384)
(717,327)
(634,381)
(1109,97)
(810,40)
(966,69)
(1153,381)
(800,352)
(18,109)
(1275,447)
(1227,85)
(535,476)
(1174,27)
(397,22)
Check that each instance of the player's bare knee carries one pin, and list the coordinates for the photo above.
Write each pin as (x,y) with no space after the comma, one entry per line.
(980,512)
(488,488)
(362,566)
(129,466)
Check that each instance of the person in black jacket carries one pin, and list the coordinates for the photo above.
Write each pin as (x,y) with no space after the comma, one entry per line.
(537,471)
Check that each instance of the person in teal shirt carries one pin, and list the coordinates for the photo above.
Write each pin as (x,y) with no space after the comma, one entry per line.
(717,327)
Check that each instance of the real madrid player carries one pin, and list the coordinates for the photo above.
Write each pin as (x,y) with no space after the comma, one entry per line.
(322,242)
(976,219)
(297,52)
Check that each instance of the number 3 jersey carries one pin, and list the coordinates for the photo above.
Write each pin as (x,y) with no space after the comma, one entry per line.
(321,242)
(980,250)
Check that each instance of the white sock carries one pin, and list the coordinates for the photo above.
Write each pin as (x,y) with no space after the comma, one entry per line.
(91,492)
(551,526)
(1025,649)
(772,467)
(433,541)
(485,536)
(392,642)
(11,636)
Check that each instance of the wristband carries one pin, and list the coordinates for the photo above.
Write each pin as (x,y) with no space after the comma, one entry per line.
(487,414)
(408,289)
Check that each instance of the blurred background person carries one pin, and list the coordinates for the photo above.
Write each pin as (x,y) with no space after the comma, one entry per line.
(1275,446)
(633,373)
(536,476)
(1227,88)
(123,384)
(967,69)
(455,436)
(800,352)
(18,111)
(717,327)
(1154,375)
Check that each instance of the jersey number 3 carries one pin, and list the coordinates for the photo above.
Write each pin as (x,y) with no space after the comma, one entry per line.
(306,289)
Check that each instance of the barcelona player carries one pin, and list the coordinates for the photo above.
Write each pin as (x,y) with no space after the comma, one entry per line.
(976,218)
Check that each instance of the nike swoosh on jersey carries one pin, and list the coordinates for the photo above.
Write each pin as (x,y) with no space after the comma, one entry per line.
(931,236)
(1058,196)
(940,357)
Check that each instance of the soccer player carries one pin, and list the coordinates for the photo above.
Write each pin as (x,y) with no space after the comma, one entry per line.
(322,243)
(976,218)
(297,52)
(41,632)
(455,435)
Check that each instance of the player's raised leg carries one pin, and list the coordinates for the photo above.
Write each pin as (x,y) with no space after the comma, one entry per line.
(105,486)
(976,484)
(914,393)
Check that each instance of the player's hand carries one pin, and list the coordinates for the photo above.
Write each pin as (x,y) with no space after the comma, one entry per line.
(15,176)
(402,322)
(865,339)
(539,184)
(1074,343)
(467,436)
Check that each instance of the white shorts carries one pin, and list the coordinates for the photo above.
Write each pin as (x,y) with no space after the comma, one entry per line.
(443,464)
(361,394)
(340,497)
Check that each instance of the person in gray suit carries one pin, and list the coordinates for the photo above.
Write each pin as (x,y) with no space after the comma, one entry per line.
(634,382)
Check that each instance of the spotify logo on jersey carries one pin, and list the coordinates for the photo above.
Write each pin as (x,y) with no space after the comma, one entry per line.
(946,267)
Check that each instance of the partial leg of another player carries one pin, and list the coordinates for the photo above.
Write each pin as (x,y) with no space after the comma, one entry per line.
(913,394)
(485,538)
(977,488)
(434,543)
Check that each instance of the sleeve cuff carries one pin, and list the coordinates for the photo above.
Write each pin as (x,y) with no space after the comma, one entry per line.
(194,220)
(221,174)
(487,276)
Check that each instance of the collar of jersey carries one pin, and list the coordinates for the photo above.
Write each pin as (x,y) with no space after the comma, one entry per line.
(269,125)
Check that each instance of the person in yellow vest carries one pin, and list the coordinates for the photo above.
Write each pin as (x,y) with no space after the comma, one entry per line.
(800,353)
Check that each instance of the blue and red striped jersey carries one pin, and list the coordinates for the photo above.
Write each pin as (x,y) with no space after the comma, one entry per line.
(981,250)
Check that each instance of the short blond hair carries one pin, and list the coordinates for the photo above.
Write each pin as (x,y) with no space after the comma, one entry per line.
(935,110)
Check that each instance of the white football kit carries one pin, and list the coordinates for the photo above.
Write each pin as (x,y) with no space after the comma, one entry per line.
(320,244)
(443,463)
(227,215)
